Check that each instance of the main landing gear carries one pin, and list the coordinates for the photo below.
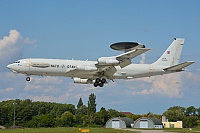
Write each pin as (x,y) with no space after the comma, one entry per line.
(99,82)
(28,78)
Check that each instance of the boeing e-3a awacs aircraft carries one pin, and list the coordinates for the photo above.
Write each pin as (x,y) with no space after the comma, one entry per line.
(114,67)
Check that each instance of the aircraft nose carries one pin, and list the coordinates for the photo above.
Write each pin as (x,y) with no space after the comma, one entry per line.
(9,66)
(12,68)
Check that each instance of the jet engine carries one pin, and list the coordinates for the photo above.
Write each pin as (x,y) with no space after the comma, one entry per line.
(82,81)
(86,68)
(108,61)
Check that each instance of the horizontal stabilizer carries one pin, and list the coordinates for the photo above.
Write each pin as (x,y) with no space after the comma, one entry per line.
(179,67)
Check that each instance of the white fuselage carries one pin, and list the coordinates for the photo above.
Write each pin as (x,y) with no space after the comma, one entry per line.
(57,67)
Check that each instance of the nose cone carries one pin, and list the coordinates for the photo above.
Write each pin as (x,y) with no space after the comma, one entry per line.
(9,66)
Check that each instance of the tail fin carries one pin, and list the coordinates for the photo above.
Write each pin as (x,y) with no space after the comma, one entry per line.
(172,55)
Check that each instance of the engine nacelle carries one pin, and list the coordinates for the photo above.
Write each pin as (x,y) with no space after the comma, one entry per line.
(86,68)
(107,61)
(82,81)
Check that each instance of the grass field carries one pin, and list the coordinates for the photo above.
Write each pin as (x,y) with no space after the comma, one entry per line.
(92,130)
(184,130)
(62,130)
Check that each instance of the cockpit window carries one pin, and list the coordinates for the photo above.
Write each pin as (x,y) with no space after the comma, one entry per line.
(17,62)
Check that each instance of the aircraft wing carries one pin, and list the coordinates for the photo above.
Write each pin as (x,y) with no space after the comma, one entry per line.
(125,58)
(179,67)
(73,72)
(133,53)
(121,60)
(105,66)
(105,71)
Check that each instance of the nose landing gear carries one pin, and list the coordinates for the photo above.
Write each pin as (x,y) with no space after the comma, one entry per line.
(99,82)
(28,78)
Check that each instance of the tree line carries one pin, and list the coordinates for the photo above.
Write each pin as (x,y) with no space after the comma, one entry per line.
(190,116)
(27,113)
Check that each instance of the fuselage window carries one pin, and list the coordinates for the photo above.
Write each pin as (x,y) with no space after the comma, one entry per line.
(17,62)
(53,65)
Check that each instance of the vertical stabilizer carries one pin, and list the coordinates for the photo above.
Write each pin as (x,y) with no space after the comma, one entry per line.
(171,56)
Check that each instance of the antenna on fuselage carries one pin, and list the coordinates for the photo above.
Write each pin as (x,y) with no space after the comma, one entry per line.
(126,46)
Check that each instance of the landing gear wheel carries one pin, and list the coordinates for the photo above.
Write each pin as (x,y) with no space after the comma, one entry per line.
(95,84)
(103,80)
(28,78)
(98,80)
(101,84)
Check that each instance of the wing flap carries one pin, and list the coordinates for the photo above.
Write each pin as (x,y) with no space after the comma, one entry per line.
(125,63)
(109,72)
(179,67)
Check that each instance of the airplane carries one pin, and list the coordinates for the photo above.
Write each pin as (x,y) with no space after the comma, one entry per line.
(105,68)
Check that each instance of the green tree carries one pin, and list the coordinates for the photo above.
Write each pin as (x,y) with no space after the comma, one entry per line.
(46,120)
(91,107)
(104,115)
(175,113)
(92,103)
(101,117)
(133,116)
(80,112)
(34,123)
(85,119)
(115,113)
(42,110)
(70,108)
(190,121)
(59,122)
(191,111)
(80,103)
(198,112)
(150,114)
(67,119)
(6,115)
(24,115)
